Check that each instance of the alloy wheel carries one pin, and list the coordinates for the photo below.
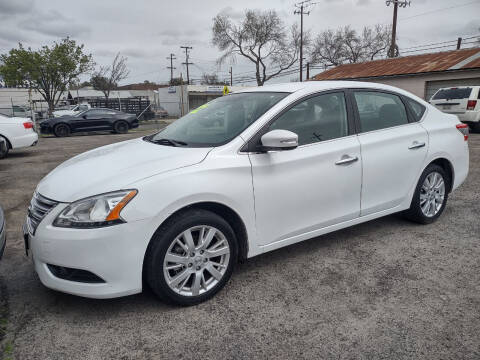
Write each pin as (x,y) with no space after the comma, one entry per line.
(196,260)
(432,194)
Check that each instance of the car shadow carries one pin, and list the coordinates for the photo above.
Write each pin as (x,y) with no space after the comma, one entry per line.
(148,300)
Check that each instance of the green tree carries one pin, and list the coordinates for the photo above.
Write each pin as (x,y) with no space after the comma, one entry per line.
(49,70)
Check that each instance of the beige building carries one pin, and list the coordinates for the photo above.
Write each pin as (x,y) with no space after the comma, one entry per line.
(422,74)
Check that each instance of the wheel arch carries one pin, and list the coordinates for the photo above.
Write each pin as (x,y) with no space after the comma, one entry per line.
(9,144)
(447,166)
(222,210)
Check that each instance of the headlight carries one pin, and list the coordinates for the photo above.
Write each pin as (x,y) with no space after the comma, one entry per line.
(96,211)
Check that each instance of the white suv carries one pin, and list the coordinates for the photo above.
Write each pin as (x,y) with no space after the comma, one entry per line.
(463,101)
(242,175)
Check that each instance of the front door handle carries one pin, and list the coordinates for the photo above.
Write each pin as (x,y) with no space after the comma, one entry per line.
(416,145)
(346,159)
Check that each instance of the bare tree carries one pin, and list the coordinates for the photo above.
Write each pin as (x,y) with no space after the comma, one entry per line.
(328,48)
(107,78)
(345,45)
(261,38)
(211,79)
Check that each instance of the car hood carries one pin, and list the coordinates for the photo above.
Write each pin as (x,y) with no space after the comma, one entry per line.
(114,167)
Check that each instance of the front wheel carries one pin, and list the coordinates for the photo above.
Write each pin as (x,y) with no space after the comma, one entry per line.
(430,197)
(191,257)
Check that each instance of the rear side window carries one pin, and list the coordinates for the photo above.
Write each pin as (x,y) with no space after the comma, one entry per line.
(417,109)
(379,110)
(453,93)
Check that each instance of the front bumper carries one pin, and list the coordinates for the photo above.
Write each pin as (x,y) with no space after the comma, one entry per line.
(115,254)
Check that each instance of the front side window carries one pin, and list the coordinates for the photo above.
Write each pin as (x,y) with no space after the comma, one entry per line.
(218,121)
(379,110)
(319,118)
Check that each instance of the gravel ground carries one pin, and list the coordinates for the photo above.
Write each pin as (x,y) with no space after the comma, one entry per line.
(384,289)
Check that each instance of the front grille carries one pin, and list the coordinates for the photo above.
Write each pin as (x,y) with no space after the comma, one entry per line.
(39,207)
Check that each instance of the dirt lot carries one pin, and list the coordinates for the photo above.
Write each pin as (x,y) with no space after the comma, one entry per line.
(385,289)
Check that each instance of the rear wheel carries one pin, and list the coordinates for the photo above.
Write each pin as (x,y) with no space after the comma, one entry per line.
(191,257)
(430,195)
(61,130)
(121,127)
(4,149)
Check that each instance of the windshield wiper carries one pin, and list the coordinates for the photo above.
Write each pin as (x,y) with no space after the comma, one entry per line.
(169,142)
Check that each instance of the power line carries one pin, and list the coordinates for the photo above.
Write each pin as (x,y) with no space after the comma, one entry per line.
(437,10)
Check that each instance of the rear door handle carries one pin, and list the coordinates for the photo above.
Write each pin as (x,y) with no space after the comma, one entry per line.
(416,145)
(346,160)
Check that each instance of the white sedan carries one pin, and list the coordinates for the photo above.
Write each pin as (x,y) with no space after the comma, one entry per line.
(16,132)
(239,176)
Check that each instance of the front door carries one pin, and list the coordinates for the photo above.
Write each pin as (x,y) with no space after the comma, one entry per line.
(315,185)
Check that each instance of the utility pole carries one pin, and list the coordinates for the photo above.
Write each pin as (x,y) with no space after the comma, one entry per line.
(308,70)
(301,6)
(231,76)
(459,43)
(186,61)
(393,50)
(171,57)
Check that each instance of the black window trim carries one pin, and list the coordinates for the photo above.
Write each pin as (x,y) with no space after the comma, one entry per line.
(252,144)
(410,117)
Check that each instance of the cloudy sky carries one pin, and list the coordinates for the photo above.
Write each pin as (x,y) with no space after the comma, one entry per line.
(147,31)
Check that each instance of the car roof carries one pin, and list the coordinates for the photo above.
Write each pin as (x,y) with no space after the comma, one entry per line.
(317,86)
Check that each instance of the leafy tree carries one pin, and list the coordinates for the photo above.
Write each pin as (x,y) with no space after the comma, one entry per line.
(49,70)
(107,78)
(177,81)
(345,45)
(261,38)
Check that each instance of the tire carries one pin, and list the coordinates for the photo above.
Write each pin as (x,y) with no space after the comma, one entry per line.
(61,130)
(4,152)
(190,277)
(120,127)
(428,203)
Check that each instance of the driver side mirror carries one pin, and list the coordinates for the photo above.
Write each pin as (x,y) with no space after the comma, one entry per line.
(279,140)
(84,116)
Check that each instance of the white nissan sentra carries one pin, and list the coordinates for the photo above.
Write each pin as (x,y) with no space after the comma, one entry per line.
(239,176)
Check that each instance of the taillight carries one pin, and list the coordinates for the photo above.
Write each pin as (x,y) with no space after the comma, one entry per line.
(28,125)
(463,128)
(471,104)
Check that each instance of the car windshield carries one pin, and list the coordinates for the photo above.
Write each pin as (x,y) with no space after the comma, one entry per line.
(453,93)
(218,121)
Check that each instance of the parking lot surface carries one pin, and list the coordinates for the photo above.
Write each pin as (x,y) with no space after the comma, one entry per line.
(386,289)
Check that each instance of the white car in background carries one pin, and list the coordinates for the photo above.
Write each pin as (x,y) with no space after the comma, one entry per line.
(73,111)
(242,175)
(463,101)
(16,132)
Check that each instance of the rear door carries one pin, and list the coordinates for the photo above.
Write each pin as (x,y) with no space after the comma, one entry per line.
(452,100)
(393,146)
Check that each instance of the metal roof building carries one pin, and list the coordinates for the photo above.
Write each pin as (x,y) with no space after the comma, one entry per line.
(422,74)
